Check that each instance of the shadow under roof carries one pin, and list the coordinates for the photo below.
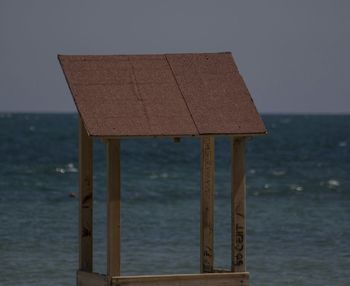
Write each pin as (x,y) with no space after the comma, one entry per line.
(161,95)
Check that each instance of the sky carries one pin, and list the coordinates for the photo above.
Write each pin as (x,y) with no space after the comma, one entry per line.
(293,55)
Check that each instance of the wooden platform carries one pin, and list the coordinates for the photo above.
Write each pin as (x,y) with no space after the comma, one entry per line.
(203,279)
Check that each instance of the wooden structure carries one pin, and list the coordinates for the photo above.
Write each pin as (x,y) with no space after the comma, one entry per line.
(171,95)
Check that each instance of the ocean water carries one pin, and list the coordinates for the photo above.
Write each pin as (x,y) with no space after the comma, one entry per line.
(298,202)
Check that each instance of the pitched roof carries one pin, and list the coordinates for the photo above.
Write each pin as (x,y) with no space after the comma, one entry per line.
(161,95)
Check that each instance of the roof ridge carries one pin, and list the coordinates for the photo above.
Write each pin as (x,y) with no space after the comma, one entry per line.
(178,86)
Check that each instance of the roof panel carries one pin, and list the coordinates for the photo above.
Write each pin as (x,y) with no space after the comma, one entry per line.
(216,94)
(166,110)
(161,95)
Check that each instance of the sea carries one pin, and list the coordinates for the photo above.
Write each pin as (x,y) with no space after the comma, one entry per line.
(298,202)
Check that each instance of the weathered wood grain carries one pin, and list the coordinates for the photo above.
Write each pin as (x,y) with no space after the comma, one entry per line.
(113,208)
(238,208)
(207,204)
(205,279)
(85,199)
(90,279)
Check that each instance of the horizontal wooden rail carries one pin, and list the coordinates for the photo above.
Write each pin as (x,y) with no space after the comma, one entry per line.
(91,279)
(203,279)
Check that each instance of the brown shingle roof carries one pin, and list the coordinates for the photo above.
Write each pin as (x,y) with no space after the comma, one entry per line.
(161,95)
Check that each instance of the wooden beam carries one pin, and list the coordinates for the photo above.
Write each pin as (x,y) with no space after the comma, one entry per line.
(221,270)
(85,199)
(206,279)
(182,136)
(238,209)
(91,279)
(113,208)
(207,204)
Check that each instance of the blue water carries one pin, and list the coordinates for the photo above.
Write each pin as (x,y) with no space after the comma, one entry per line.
(298,202)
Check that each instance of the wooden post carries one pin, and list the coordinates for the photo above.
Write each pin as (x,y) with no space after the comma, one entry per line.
(85,199)
(207,204)
(113,208)
(238,213)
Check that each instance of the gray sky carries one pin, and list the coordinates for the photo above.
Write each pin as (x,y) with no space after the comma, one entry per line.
(293,55)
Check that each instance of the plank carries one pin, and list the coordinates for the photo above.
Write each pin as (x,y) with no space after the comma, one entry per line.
(90,279)
(238,208)
(85,199)
(113,208)
(207,204)
(102,137)
(205,279)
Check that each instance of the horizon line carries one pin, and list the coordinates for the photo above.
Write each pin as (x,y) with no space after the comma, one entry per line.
(293,113)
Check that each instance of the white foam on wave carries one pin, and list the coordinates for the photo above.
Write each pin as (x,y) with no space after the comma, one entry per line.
(333,184)
(69,168)
(295,187)
(252,171)
(60,170)
(164,175)
(343,144)
(154,176)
